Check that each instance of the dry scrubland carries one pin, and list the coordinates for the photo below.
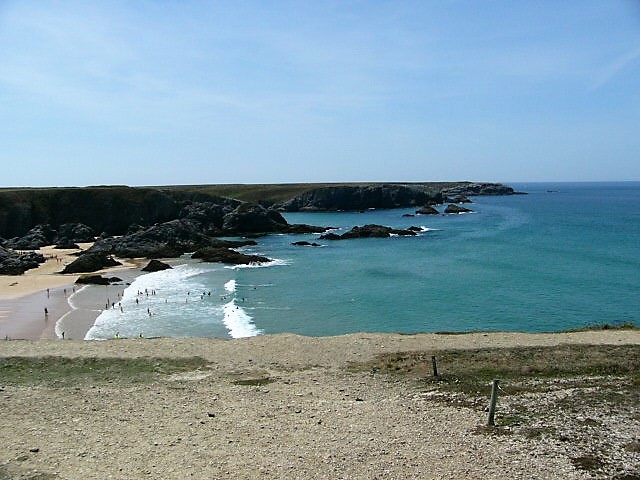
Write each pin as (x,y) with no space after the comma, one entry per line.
(358,406)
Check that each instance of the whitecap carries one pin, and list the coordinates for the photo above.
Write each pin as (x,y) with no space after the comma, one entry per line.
(238,322)
(230,286)
(272,263)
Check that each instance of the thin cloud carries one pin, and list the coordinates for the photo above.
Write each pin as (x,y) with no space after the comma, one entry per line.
(614,68)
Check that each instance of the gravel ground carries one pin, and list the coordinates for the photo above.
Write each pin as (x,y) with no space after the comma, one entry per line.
(282,407)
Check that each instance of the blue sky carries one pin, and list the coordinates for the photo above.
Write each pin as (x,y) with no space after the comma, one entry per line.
(155,93)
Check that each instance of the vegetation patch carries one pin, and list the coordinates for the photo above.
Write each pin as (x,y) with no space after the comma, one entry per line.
(65,371)
(253,382)
(471,371)
(585,397)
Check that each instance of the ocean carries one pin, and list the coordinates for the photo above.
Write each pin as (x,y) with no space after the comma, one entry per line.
(564,256)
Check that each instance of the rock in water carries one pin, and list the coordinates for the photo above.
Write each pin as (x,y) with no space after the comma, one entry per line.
(156,266)
(368,231)
(226,255)
(427,210)
(451,208)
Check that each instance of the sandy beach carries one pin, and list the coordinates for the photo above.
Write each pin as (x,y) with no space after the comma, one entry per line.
(71,308)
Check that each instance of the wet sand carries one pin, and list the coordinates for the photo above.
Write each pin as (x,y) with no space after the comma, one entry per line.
(24,317)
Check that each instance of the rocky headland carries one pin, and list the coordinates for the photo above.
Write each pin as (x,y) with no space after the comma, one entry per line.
(167,222)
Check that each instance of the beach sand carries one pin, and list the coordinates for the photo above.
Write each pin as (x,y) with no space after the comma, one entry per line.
(73,308)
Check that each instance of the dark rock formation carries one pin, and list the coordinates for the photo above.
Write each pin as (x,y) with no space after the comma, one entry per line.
(253,218)
(91,262)
(110,209)
(330,236)
(166,240)
(97,280)
(156,266)
(457,199)
(362,197)
(475,189)
(368,231)
(451,208)
(67,246)
(14,263)
(226,255)
(209,214)
(39,236)
(75,233)
(301,228)
(304,243)
(427,210)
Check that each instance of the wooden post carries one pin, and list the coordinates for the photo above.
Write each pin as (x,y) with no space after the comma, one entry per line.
(492,404)
(435,365)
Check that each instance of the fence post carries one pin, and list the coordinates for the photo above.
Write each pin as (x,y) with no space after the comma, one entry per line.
(434,365)
(492,404)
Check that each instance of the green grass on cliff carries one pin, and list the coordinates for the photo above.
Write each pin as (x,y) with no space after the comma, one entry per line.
(274,193)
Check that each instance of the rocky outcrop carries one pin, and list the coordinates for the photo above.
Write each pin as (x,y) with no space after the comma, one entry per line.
(42,235)
(226,255)
(253,218)
(368,231)
(427,210)
(97,280)
(457,199)
(476,189)
(362,197)
(69,233)
(166,240)
(36,238)
(14,263)
(454,209)
(304,243)
(156,266)
(91,262)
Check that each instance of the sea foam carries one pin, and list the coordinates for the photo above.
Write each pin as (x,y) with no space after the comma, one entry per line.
(238,322)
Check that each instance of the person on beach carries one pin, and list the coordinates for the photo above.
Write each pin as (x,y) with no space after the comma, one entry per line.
(46,312)
(47,293)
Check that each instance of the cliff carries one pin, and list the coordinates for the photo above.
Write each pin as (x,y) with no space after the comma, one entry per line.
(393,195)
(113,210)
(104,209)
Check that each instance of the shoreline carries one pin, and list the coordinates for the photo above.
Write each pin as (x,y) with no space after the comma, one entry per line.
(71,308)
(86,305)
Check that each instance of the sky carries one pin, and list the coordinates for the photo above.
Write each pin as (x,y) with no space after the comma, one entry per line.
(204,92)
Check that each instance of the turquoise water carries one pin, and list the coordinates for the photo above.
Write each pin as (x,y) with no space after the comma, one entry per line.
(545,261)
